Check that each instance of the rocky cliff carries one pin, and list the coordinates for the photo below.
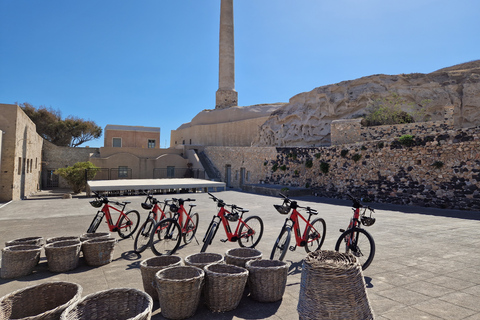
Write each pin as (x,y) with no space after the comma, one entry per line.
(305,120)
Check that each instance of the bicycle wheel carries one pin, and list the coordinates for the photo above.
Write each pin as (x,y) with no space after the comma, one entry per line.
(95,222)
(209,236)
(142,239)
(250,232)
(166,237)
(190,228)
(281,245)
(128,224)
(315,235)
(362,246)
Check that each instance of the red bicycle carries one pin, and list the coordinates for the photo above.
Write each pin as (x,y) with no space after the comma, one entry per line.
(170,231)
(156,213)
(355,239)
(312,237)
(127,222)
(248,232)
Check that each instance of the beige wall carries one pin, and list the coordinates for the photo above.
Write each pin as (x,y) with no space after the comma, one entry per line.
(21,154)
(132,137)
(235,133)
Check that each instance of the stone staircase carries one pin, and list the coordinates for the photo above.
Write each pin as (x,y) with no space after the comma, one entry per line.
(210,169)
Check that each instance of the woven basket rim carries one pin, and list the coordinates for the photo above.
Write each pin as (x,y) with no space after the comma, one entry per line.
(57,239)
(231,253)
(239,271)
(266,264)
(103,294)
(191,257)
(23,247)
(145,263)
(63,244)
(161,274)
(99,240)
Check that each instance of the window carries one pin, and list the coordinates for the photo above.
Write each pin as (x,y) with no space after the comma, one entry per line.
(122,172)
(117,142)
(19,165)
(151,143)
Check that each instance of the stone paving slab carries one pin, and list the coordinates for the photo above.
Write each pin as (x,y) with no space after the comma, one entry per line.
(425,267)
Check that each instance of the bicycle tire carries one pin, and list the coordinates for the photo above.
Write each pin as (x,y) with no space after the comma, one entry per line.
(315,235)
(166,237)
(209,236)
(128,224)
(142,239)
(191,228)
(281,245)
(253,233)
(364,259)
(95,222)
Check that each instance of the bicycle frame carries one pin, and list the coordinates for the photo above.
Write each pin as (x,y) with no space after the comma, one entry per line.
(232,236)
(300,240)
(179,215)
(106,211)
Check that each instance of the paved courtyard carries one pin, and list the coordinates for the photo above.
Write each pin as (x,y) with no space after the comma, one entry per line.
(426,264)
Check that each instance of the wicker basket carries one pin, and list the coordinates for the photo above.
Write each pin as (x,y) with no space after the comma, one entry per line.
(112,304)
(37,241)
(98,251)
(267,279)
(19,260)
(62,238)
(332,287)
(203,259)
(45,301)
(149,267)
(179,290)
(63,255)
(240,256)
(224,286)
(93,235)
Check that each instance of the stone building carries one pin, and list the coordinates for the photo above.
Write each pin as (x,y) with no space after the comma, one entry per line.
(21,154)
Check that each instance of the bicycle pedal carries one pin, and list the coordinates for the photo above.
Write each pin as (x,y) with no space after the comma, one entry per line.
(342,230)
(292,248)
(223,240)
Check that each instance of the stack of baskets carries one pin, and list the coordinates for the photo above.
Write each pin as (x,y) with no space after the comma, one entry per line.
(267,279)
(149,267)
(40,302)
(179,290)
(240,256)
(224,286)
(63,256)
(332,287)
(98,251)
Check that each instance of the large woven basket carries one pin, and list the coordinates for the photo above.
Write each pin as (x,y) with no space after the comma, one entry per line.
(98,251)
(112,304)
(267,279)
(240,256)
(332,287)
(62,238)
(37,241)
(179,290)
(224,286)
(44,301)
(63,255)
(149,267)
(203,259)
(90,236)
(19,260)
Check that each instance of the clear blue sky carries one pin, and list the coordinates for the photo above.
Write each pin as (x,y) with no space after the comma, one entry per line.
(155,62)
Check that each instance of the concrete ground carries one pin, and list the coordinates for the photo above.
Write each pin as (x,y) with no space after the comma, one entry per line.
(426,264)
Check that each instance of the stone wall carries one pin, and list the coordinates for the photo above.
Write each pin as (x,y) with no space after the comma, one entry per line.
(351,130)
(441,170)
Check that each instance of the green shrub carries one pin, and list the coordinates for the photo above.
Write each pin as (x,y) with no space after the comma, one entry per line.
(274,167)
(76,174)
(356,157)
(317,155)
(380,145)
(324,167)
(343,153)
(309,163)
(406,140)
(283,167)
(437,164)
(295,172)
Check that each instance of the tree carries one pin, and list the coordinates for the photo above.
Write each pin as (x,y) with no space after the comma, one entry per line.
(78,174)
(70,132)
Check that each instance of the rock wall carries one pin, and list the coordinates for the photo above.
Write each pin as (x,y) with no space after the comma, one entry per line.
(305,120)
(438,171)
